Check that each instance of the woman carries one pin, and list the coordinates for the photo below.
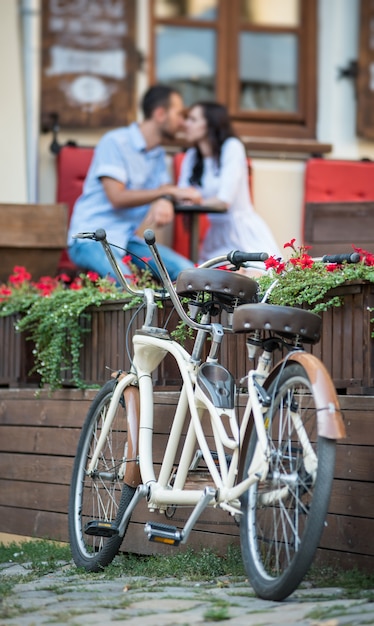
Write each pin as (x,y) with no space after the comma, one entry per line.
(217,166)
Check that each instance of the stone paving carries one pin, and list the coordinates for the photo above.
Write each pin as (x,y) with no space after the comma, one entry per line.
(68,598)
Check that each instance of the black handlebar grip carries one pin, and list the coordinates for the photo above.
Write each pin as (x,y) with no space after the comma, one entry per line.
(149,237)
(236,257)
(100,234)
(351,257)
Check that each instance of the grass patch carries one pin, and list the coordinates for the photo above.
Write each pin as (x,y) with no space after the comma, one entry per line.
(218,612)
(352,580)
(202,565)
(199,565)
(41,556)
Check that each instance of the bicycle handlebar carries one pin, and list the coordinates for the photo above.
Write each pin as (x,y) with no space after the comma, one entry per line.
(352,257)
(237,257)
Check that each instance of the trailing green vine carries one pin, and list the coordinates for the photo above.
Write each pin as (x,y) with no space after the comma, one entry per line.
(54,325)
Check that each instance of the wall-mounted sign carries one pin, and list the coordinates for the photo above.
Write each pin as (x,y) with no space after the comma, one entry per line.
(89,62)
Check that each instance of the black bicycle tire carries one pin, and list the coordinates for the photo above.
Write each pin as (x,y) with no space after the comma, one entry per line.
(277,588)
(105,555)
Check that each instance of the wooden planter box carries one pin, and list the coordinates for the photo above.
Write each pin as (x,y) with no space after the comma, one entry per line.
(109,329)
(346,346)
(12,350)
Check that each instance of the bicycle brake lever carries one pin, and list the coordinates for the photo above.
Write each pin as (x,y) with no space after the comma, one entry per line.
(98,235)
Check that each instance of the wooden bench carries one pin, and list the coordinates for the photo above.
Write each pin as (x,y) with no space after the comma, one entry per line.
(32,235)
(332,227)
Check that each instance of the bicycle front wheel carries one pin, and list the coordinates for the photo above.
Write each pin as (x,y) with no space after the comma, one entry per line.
(101,496)
(284,515)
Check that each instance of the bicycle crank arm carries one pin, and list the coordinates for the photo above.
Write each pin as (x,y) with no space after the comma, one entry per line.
(100,528)
(141,492)
(170,535)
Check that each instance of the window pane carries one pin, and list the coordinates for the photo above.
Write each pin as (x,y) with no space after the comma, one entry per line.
(194,9)
(185,59)
(271,12)
(268,72)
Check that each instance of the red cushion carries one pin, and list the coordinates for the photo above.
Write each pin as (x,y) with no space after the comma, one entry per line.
(72,166)
(339,181)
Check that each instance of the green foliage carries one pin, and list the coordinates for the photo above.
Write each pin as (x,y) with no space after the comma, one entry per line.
(301,281)
(56,326)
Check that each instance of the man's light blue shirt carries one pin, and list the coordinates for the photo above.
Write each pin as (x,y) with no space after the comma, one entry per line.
(120,154)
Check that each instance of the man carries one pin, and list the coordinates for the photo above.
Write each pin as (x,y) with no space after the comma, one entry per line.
(128,189)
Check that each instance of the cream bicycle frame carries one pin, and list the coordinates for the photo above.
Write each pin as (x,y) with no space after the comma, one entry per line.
(148,353)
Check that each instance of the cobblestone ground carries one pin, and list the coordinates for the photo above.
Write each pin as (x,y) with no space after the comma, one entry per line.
(68,598)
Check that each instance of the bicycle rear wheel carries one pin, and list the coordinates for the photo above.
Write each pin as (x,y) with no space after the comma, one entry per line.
(283,516)
(102,496)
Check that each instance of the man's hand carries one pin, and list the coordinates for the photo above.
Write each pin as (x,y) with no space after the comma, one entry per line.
(160,214)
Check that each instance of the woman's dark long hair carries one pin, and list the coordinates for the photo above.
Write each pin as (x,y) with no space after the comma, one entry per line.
(218,130)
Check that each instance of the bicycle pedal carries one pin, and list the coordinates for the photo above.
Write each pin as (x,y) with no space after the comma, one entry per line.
(101,529)
(162,533)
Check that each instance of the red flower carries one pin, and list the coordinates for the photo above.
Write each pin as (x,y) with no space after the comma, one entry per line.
(281,267)
(306,261)
(5,291)
(365,256)
(46,285)
(331,267)
(76,284)
(272,261)
(145,259)
(19,276)
(303,261)
(93,276)
(290,244)
(361,251)
(127,259)
(64,278)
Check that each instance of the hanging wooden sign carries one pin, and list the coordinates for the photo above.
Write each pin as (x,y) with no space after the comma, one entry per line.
(89,62)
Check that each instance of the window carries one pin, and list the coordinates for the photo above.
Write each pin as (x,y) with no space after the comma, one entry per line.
(255,56)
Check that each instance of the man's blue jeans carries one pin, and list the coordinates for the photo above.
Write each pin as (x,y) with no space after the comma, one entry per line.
(89,255)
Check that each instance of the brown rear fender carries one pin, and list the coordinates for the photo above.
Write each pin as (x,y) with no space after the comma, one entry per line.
(132,471)
(329,417)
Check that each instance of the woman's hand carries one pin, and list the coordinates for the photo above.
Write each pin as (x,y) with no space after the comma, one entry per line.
(218,204)
(187,195)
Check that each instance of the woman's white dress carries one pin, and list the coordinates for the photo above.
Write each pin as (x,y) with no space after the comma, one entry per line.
(240,228)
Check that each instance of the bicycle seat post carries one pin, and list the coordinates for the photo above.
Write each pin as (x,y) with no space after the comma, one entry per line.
(217,334)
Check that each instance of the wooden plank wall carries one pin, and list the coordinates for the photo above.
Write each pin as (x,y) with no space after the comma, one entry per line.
(38,438)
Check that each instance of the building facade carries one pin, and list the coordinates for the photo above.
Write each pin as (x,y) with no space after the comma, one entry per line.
(296,76)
